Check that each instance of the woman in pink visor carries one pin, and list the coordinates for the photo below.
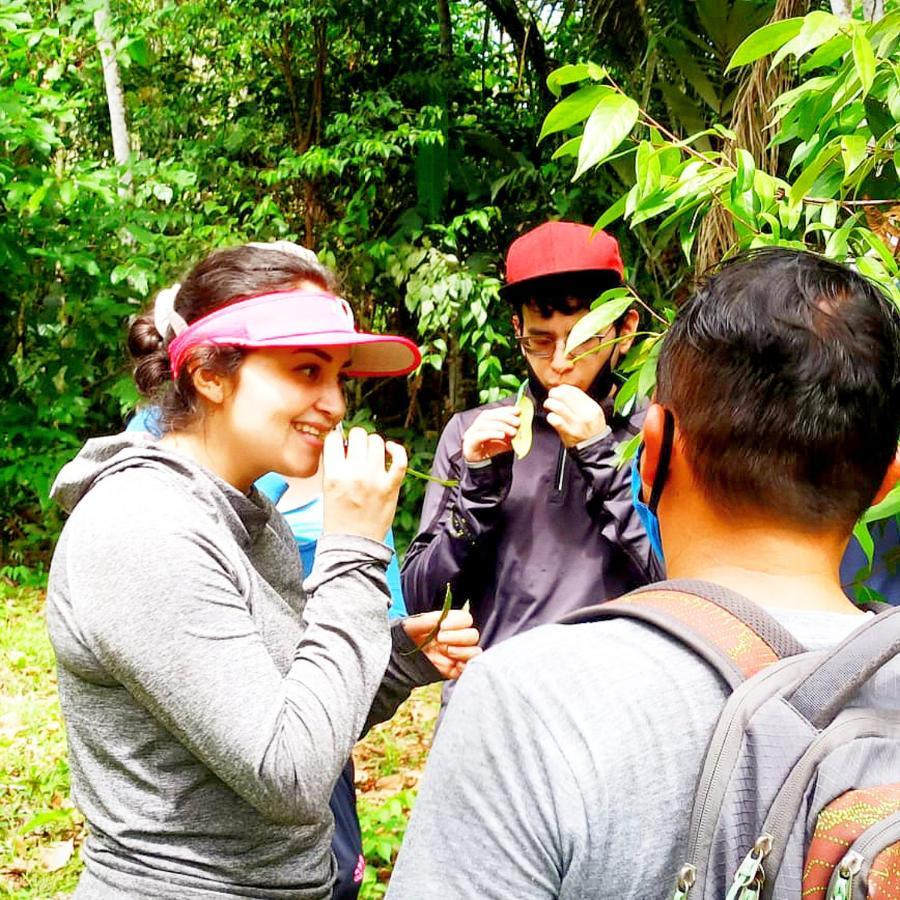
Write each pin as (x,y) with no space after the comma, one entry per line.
(210,698)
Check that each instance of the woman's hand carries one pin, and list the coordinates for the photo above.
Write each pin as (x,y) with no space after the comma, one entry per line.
(359,486)
(452,647)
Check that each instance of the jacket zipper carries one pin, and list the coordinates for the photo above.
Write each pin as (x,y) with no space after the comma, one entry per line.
(560,469)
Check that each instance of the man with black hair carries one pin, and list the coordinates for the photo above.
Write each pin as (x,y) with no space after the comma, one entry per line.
(527,540)
(775,425)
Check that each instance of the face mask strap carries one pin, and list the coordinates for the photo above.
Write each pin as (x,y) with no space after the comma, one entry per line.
(665,457)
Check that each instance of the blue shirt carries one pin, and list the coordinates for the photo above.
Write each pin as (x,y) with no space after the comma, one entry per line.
(306,524)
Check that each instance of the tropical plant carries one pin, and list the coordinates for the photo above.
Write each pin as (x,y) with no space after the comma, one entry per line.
(836,193)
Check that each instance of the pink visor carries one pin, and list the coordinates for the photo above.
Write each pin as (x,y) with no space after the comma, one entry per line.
(297,319)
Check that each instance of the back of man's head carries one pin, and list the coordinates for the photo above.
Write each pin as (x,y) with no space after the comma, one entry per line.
(783,371)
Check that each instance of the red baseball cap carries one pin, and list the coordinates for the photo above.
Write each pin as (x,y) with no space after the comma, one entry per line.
(555,248)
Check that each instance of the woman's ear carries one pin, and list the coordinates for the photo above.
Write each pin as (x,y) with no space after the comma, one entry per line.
(891,478)
(517,325)
(212,386)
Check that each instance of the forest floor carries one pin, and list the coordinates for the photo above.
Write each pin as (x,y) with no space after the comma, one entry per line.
(41,831)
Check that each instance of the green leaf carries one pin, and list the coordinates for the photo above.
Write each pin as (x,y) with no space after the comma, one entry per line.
(445,609)
(140,52)
(694,75)
(827,54)
(818,27)
(608,125)
(612,304)
(853,151)
(862,535)
(569,148)
(893,99)
(888,507)
(765,41)
(746,170)
(863,59)
(879,119)
(566,75)
(614,212)
(573,109)
(836,246)
(876,244)
(808,176)
(627,449)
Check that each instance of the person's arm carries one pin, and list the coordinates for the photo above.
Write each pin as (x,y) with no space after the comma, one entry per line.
(425,648)
(406,669)
(498,804)
(454,520)
(167,612)
(610,505)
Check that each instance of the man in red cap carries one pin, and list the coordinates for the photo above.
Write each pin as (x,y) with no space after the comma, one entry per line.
(527,540)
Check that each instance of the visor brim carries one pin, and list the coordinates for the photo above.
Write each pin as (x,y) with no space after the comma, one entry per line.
(371,355)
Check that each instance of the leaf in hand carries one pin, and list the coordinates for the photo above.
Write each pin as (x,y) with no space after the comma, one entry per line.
(445,609)
(521,442)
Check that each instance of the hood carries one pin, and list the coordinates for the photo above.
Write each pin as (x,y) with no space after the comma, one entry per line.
(105,456)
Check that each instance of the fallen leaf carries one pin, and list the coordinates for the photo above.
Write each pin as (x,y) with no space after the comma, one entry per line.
(54,856)
(391,782)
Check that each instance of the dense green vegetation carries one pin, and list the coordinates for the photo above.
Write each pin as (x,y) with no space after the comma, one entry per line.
(407,143)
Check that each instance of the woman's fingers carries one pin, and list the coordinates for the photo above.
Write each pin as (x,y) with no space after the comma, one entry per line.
(398,462)
(460,637)
(361,483)
(333,451)
(461,654)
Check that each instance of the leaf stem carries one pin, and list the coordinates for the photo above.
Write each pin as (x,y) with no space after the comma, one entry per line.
(445,482)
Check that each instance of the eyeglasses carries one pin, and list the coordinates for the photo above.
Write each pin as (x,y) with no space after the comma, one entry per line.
(541,347)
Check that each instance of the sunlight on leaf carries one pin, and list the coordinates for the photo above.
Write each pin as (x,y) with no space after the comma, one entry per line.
(597,321)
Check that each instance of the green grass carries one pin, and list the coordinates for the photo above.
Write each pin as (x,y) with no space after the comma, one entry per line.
(41,831)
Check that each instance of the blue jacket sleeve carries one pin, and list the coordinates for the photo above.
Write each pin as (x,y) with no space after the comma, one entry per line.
(455,521)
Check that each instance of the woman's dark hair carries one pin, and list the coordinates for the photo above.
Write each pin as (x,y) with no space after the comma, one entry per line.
(224,277)
(783,370)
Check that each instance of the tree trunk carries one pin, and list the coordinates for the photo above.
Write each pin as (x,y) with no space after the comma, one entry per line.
(446,26)
(842,8)
(526,36)
(313,132)
(114,97)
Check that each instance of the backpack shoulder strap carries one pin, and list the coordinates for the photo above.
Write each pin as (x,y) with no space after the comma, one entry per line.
(735,636)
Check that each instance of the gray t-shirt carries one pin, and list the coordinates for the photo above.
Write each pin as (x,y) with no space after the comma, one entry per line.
(210,700)
(566,765)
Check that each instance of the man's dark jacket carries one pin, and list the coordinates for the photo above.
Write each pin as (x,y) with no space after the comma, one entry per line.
(528,540)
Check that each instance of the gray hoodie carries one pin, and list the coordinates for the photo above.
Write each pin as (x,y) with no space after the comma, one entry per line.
(210,700)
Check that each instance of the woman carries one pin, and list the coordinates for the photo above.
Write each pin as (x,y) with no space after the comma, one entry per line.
(210,702)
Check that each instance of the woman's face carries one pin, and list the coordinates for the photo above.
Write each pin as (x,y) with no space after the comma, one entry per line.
(278,408)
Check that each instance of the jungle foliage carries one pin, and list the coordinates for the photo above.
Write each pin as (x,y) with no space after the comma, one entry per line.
(407,143)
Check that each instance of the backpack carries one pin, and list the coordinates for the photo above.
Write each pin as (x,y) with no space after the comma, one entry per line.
(799,793)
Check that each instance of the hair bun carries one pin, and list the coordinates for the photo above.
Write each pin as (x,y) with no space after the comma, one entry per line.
(148,350)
